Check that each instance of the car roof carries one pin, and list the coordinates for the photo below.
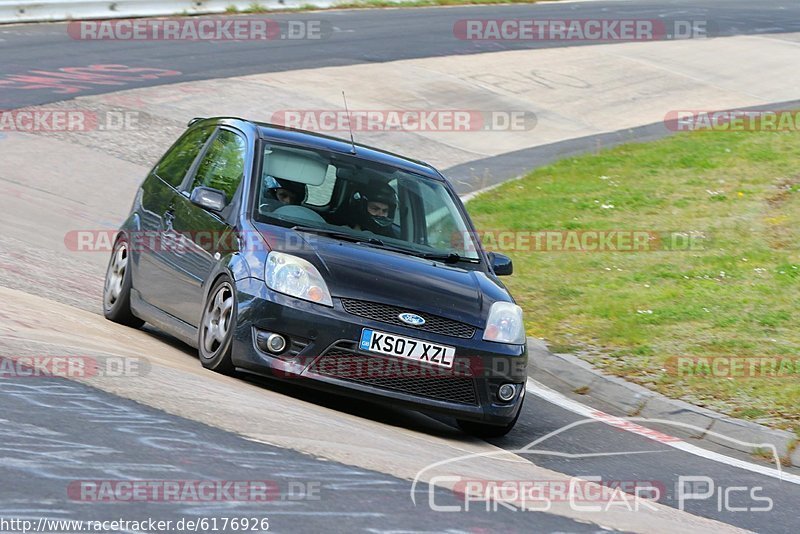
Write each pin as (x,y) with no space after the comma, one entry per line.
(284,134)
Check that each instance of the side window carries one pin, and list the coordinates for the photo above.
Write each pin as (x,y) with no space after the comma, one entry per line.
(223,165)
(440,217)
(176,162)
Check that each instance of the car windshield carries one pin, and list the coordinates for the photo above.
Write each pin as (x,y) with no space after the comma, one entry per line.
(349,198)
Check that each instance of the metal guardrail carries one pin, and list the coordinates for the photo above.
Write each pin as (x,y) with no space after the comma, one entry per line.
(55,10)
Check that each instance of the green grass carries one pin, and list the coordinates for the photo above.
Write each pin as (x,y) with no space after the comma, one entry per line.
(735,293)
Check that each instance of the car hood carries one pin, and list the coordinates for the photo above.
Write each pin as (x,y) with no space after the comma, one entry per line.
(362,272)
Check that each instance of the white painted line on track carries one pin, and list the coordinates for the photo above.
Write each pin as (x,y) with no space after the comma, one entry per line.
(625,423)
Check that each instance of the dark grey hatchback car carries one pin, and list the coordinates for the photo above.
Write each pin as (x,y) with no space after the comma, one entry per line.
(342,267)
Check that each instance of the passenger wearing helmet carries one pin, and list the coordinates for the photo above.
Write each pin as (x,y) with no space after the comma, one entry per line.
(282,192)
(375,207)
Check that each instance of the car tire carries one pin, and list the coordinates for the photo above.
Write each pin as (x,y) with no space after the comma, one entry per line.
(484,430)
(217,323)
(117,287)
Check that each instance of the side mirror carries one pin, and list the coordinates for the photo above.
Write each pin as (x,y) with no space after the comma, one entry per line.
(501,264)
(208,198)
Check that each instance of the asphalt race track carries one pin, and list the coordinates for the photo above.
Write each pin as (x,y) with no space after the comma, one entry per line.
(338,465)
(355,37)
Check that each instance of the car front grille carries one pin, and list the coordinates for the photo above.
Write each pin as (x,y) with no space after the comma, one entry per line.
(343,361)
(389,314)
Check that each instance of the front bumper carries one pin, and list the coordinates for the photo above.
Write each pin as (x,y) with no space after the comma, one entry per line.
(322,353)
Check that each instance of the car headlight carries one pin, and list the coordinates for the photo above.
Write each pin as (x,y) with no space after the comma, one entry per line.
(505,324)
(296,277)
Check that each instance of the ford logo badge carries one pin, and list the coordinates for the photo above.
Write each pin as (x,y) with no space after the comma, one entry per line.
(412,318)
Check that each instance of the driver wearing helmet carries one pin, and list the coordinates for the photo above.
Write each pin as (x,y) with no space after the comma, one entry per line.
(283,192)
(375,207)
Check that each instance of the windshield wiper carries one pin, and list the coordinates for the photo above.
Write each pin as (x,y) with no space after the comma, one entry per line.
(336,234)
(450,257)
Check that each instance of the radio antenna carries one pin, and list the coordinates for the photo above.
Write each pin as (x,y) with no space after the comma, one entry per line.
(349,124)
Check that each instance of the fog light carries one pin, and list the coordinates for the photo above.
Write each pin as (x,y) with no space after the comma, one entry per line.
(276,343)
(270,342)
(506,392)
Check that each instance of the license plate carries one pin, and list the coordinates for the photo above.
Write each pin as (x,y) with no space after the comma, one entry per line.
(405,347)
